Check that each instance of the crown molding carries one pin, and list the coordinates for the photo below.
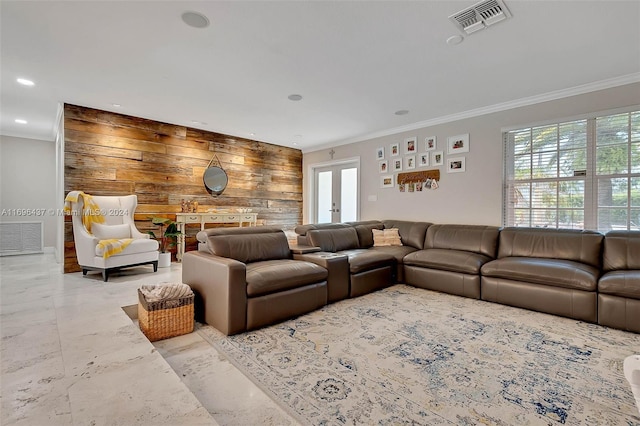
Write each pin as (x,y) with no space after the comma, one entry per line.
(532,100)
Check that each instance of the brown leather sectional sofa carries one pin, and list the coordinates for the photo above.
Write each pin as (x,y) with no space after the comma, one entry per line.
(560,272)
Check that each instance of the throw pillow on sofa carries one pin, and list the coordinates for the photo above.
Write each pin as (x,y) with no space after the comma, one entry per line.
(386,237)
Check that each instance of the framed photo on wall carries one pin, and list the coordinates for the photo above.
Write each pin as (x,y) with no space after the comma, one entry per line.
(380,153)
(456,165)
(430,143)
(458,144)
(437,158)
(410,145)
(424,160)
(397,165)
(394,149)
(410,162)
(386,181)
(383,166)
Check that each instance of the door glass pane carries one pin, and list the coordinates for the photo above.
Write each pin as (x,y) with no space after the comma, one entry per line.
(349,194)
(324,197)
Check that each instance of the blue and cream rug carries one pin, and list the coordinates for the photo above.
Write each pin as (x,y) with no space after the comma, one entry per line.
(411,356)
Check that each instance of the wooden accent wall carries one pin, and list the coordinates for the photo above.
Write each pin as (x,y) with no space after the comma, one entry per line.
(114,154)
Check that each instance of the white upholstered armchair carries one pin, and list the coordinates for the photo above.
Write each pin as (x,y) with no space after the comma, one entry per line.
(115,243)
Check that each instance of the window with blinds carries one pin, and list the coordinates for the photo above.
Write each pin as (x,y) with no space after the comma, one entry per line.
(582,174)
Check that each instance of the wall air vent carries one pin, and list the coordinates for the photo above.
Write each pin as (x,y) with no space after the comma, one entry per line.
(480,16)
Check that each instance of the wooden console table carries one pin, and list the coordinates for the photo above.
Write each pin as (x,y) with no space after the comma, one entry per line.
(182,219)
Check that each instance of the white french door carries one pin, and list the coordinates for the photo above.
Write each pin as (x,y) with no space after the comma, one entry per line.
(336,193)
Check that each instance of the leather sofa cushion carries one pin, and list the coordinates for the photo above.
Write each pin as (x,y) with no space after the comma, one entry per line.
(303,229)
(621,283)
(334,240)
(465,262)
(361,260)
(411,233)
(551,272)
(365,233)
(568,244)
(474,238)
(399,252)
(273,276)
(621,250)
(251,247)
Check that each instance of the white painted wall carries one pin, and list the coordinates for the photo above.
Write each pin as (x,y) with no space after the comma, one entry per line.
(473,197)
(28,181)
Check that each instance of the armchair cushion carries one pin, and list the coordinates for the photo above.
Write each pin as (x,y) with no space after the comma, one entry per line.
(138,245)
(108,232)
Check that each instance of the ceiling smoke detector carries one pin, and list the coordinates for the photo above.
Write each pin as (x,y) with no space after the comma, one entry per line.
(480,16)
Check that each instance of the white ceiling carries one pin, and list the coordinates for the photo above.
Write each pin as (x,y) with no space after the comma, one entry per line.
(355,63)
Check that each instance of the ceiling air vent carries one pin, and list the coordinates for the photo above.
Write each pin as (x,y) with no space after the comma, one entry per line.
(480,15)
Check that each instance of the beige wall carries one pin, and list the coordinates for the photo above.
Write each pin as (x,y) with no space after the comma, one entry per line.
(28,181)
(473,197)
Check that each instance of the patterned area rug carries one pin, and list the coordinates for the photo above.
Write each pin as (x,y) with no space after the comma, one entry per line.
(411,356)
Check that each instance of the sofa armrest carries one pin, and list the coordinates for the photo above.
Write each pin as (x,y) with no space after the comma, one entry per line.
(337,266)
(221,290)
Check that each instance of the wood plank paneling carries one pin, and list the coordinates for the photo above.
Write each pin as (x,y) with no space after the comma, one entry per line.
(114,154)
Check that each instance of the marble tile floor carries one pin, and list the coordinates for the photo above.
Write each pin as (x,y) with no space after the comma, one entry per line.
(70,355)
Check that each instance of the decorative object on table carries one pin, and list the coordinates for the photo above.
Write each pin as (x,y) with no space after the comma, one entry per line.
(411,145)
(386,181)
(194,207)
(631,369)
(183,206)
(437,158)
(457,144)
(380,153)
(215,178)
(414,181)
(383,166)
(430,143)
(394,149)
(165,310)
(456,165)
(169,234)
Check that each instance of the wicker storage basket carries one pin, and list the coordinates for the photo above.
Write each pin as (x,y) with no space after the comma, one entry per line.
(165,318)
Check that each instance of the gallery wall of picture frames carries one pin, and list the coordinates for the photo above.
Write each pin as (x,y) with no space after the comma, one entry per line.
(414,154)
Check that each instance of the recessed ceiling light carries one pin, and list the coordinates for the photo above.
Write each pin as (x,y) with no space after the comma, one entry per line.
(455,39)
(252,134)
(25,82)
(195,19)
(116,105)
(402,112)
(21,121)
(295,144)
(295,97)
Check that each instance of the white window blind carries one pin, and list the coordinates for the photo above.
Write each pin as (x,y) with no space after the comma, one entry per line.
(582,174)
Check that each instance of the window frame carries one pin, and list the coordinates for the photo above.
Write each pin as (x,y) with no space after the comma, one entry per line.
(590,207)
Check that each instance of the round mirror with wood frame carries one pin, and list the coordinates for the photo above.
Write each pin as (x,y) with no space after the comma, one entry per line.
(215,178)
